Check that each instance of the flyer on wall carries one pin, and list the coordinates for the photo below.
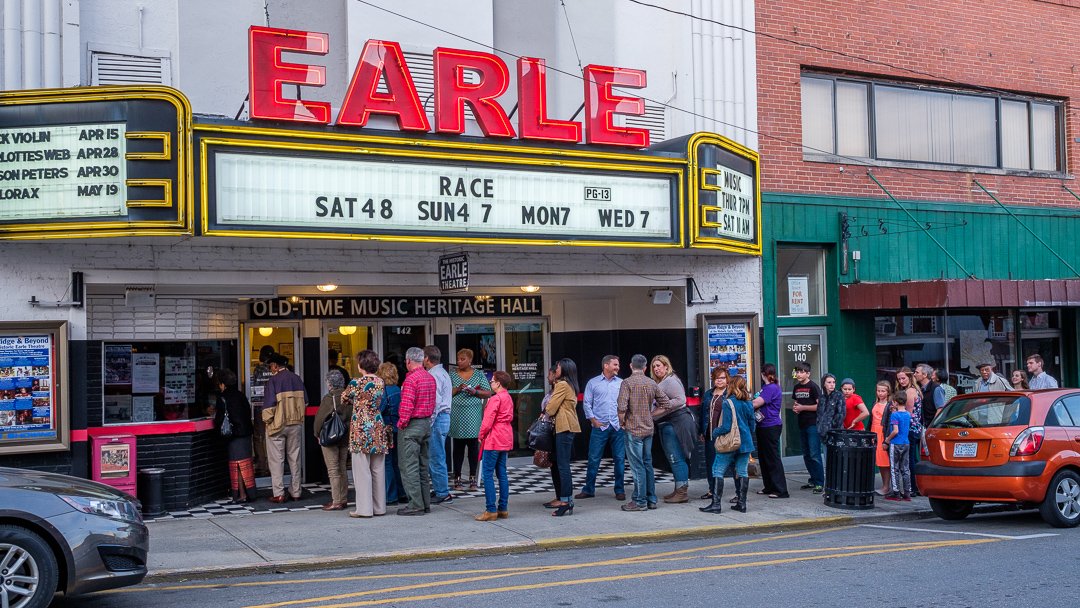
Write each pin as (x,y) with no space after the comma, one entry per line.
(728,346)
(27,406)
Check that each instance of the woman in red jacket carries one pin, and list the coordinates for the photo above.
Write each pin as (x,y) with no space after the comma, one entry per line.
(496,441)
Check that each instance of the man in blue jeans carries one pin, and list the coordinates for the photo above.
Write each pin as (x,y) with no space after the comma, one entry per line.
(440,426)
(636,395)
(805,394)
(602,410)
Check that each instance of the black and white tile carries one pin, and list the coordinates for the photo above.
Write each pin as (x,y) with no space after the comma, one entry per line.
(524,479)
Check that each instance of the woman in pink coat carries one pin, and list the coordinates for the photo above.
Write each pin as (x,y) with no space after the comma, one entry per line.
(496,441)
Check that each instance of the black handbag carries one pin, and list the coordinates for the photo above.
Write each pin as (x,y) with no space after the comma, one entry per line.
(542,434)
(333,429)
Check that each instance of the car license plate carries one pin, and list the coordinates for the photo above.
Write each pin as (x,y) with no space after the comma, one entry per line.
(965,450)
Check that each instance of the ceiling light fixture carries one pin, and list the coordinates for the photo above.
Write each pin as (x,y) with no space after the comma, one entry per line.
(266,332)
(326,287)
(347,330)
(295,299)
(530,288)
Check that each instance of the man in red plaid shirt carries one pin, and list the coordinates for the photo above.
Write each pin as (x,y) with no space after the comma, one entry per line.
(414,422)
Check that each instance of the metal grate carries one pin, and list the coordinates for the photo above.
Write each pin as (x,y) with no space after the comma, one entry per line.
(654,119)
(114,68)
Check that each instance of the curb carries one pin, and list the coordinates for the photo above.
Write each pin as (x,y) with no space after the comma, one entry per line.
(537,546)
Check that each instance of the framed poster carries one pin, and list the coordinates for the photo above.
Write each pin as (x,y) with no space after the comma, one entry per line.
(33,387)
(729,341)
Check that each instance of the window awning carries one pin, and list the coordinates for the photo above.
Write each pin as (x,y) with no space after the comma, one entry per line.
(959,294)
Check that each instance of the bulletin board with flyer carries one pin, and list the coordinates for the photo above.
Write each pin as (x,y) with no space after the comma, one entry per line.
(731,342)
(33,403)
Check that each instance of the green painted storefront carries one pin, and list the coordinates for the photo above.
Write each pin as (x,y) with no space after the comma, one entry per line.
(977,241)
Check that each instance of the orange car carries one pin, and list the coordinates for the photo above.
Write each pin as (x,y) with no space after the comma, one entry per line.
(1014,447)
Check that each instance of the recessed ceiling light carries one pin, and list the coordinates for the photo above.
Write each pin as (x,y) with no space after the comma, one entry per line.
(530,288)
(326,287)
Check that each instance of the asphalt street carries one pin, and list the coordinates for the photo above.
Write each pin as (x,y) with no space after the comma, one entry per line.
(986,560)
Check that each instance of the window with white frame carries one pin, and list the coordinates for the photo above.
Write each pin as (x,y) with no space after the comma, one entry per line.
(888,121)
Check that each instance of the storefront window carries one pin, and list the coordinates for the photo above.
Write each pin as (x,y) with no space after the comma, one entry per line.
(908,340)
(981,338)
(162,381)
(800,281)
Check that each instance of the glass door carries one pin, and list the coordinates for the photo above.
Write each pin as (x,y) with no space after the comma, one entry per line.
(798,345)
(1040,334)
(262,340)
(525,359)
(480,339)
(343,340)
(398,337)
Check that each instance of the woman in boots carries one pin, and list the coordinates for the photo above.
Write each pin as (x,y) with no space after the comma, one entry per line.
(238,445)
(739,400)
(675,424)
(714,398)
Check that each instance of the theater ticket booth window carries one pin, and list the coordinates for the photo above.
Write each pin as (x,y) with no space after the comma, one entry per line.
(521,348)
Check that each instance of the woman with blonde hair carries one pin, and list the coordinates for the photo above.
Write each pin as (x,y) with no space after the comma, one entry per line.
(471,390)
(369,436)
(395,490)
(879,417)
(676,427)
(905,383)
(735,409)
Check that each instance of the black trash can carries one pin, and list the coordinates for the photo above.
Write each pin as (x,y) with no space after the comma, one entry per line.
(151,493)
(849,469)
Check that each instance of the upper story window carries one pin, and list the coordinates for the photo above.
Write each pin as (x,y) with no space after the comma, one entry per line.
(892,122)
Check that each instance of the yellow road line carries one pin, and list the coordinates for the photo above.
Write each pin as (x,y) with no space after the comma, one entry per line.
(622,577)
(551,568)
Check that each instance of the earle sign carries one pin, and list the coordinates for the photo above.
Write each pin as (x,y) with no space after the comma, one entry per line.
(383,85)
(454,273)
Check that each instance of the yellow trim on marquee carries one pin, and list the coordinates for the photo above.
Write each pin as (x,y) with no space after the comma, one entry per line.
(165,184)
(166,148)
(699,182)
(185,207)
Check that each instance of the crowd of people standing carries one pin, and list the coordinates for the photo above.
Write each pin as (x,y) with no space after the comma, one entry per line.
(396,435)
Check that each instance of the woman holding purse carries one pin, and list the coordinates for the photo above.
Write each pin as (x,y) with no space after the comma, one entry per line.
(735,409)
(369,437)
(336,455)
(496,441)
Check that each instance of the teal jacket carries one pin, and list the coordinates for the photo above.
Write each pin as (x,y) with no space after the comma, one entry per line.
(744,413)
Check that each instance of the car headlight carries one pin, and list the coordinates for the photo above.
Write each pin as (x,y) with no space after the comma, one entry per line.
(113,509)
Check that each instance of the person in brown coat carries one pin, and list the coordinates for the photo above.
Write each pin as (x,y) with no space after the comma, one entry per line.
(562,408)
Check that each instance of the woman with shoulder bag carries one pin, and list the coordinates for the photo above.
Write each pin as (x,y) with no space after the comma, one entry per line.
(234,407)
(335,455)
(735,410)
(369,437)
(713,399)
(562,408)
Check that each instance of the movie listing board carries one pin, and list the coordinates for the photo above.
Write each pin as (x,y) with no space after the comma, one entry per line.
(27,397)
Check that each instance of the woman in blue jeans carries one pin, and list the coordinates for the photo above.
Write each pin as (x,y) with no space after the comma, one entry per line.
(676,426)
(496,438)
(739,400)
(562,408)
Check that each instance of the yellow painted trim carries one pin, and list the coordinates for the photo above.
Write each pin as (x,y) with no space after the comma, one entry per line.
(165,201)
(166,145)
(185,206)
(642,165)
(434,143)
(698,182)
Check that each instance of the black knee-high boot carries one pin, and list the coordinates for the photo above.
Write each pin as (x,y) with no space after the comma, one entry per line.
(742,485)
(717,496)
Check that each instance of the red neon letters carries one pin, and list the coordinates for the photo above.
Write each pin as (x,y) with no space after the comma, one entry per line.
(383,62)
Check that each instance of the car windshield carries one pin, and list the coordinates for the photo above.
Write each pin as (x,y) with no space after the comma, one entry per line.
(979,412)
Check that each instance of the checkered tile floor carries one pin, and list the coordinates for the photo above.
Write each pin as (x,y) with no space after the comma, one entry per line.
(524,479)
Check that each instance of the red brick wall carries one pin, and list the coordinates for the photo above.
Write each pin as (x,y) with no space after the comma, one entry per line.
(1023,46)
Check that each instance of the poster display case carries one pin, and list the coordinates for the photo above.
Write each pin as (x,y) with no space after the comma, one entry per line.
(33,387)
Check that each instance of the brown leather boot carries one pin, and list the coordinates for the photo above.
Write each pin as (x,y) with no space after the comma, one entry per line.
(666,497)
(679,496)
(485,516)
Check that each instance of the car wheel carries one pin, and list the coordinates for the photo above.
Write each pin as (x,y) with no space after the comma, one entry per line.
(28,571)
(952,510)
(1061,507)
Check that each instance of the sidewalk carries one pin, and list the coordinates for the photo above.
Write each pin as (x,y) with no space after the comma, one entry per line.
(266,542)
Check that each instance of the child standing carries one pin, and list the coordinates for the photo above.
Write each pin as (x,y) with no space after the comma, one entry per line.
(854,407)
(805,395)
(878,419)
(898,445)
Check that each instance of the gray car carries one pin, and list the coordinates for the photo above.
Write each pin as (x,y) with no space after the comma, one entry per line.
(61,533)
